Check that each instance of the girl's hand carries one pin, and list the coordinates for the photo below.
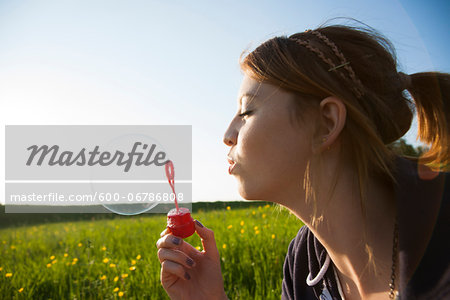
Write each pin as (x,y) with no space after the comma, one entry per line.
(187,273)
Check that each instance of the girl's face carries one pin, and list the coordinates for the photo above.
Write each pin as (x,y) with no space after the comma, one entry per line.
(269,149)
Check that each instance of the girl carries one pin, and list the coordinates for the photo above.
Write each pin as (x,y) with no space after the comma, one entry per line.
(317,112)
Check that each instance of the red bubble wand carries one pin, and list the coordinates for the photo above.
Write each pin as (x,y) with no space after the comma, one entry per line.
(179,221)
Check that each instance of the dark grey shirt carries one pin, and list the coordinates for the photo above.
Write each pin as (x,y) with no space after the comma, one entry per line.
(424,243)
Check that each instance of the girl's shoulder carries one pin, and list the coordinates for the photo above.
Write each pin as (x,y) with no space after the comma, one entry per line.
(423,205)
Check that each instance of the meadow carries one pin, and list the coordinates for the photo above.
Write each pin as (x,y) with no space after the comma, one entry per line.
(116,258)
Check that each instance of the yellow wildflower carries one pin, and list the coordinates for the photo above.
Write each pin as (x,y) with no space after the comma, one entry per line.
(255,228)
(75,259)
(13,247)
(120,294)
(20,290)
(132,268)
(253,212)
(116,278)
(80,244)
(124,275)
(65,254)
(267,206)
(242,230)
(242,223)
(273,236)
(198,248)
(116,289)
(133,262)
(8,275)
(49,265)
(228,208)
(106,260)
(54,262)
(1,268)
(112,265)
(103,277)
(230,226)
(264,215)
(257,232)
(224,246)
(138,257)
(103,248)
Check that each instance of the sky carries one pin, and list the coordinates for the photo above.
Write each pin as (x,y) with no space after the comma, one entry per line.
(175,62)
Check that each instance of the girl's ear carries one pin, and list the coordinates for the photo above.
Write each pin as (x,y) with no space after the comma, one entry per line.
(333,114)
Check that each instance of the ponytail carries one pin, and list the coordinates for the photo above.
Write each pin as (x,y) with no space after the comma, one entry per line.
(431,94)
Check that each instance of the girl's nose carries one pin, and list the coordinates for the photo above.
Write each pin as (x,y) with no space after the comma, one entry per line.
(230,137)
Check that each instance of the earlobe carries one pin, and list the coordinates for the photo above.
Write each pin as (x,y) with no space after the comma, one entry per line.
(333,114)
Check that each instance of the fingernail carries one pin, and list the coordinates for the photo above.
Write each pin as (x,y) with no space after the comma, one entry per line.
(198,223)
(176,240)
(189,261)
(187,276)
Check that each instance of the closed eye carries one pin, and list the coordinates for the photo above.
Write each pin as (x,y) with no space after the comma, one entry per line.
(245,113)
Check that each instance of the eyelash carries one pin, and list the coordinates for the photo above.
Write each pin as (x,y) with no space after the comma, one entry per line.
(245,113)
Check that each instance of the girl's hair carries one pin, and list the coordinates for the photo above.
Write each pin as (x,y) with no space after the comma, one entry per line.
(359,66)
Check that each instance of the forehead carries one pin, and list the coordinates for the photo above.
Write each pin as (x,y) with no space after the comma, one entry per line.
(250,88)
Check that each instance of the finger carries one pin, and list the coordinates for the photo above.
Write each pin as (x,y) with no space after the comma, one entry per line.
(164,232)
(173,242)
(175,256)
(207,236)
(169,241)
(170,267)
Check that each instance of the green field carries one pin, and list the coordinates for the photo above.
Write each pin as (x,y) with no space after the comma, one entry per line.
(112,259)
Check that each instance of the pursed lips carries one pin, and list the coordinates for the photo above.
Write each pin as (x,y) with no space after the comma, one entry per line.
(232,164)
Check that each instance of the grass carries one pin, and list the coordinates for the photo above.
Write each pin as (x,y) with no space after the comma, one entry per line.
(116,259)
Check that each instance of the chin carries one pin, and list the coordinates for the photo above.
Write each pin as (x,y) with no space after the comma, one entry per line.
(249,198)
(250,194)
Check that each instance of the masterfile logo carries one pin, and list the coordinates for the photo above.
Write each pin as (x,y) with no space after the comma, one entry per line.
(67,168)
(91,158)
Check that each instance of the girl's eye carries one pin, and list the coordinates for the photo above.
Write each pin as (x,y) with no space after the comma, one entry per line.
(245,113)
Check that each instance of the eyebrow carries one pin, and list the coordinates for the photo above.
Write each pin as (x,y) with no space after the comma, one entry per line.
(247,95)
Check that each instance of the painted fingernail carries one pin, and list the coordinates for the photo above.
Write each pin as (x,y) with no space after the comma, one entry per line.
(187,276)
(176,240)
(198,223)
(189,261)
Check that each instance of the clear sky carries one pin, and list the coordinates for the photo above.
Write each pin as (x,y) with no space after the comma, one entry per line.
(174,62)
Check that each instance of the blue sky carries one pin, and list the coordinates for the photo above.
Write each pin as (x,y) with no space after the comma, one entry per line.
(175,62)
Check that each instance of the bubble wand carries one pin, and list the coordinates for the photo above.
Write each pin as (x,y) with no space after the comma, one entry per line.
(170,174)
(179,220)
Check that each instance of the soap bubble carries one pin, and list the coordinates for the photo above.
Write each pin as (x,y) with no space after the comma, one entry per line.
(117,190)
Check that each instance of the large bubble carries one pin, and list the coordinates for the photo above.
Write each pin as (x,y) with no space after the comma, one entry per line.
(120,196)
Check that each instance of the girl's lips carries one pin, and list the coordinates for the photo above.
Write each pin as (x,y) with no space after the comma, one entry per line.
(232,165)
(230,168)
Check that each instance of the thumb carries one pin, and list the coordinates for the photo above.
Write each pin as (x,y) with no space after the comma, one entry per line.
(207,236)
